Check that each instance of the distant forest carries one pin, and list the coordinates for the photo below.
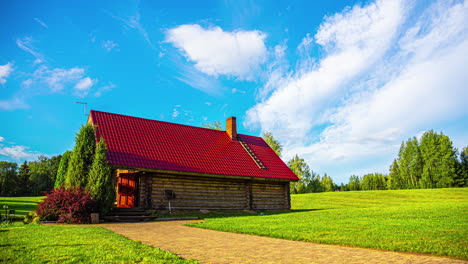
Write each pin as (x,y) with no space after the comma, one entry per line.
(431,162)
(30,178)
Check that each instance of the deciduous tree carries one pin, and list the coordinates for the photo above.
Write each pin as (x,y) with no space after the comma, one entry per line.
(273,143)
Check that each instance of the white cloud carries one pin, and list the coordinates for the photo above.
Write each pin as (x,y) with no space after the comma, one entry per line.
(2,139)
(18,152)
(381,80)
(175,113)
(216,52)
(83,86)
(44,25)
(13,104)
(104,89)
(110,45)
(26,45)
(57,79)
(5,71)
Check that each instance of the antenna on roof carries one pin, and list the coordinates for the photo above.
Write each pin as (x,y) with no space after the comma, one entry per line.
(84,104)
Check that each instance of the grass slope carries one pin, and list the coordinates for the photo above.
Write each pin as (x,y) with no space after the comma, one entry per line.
(70,244)
(428,221)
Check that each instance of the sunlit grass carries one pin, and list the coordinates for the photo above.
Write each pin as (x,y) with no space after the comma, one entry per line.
(426,221)
(34,243)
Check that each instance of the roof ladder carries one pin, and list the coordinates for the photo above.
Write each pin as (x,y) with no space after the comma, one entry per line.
(251,153)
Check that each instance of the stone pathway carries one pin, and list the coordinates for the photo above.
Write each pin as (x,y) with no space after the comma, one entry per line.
(208,246)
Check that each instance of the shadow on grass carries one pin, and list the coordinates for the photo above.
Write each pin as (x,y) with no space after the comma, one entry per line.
(221,214)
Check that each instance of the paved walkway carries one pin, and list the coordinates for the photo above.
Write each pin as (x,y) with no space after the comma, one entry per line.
(208,246)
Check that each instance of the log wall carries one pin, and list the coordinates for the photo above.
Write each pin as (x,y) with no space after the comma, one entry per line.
(193,192)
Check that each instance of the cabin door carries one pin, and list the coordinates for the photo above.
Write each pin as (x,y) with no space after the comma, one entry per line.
(126,190)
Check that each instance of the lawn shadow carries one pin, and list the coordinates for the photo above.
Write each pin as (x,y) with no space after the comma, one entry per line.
(221,214)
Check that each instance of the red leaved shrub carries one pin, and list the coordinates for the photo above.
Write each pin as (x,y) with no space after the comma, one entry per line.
(70,205)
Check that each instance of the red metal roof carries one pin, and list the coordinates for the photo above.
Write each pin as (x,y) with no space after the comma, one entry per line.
(145,143)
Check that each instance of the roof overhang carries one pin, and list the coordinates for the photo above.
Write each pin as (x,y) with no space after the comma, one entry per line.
(202,174)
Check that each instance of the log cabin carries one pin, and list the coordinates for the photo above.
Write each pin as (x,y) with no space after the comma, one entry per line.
(158,164)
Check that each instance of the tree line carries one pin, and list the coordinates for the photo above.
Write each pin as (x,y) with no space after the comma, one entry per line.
(431,162)
(31,178)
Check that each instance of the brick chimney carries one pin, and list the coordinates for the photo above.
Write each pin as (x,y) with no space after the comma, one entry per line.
(231,127)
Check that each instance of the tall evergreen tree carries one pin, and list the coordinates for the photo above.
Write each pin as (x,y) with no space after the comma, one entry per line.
(100,182)
(62,169)
(23,183)
(273,143)
(439,159)
(8,178)
(82,157)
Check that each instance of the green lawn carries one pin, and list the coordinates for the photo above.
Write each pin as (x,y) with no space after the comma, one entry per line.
(70,244)
(427,221)
(22,205)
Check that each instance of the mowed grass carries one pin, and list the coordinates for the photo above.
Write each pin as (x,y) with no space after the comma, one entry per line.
(70,244)
(427,221)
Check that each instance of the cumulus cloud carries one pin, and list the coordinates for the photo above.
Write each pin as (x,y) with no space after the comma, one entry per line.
(381,79)
(216,52)
(13,104)
(5,71)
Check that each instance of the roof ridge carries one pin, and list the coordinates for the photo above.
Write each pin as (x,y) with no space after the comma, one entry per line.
(154,120)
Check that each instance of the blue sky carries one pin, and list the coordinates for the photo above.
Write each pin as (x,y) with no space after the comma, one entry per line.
(340,83)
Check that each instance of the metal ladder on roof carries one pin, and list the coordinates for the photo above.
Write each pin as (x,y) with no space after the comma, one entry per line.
(251,153)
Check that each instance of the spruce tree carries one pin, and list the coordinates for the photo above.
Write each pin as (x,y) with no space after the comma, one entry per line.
(62,169)
(82,157)
(23,183)
(100,182)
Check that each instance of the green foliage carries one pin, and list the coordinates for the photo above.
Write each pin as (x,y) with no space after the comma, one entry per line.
(65,244)
(464,166)
(82,157)
(62,169)
(328,184)
(373,181)
(439,160)
(354,183)
(273,143)
(31,218)
(8,178)
(410,163)
(43,173)
(216,125)
(23,184)
(308,182)
(100,182)
(427,221)
(430,163)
